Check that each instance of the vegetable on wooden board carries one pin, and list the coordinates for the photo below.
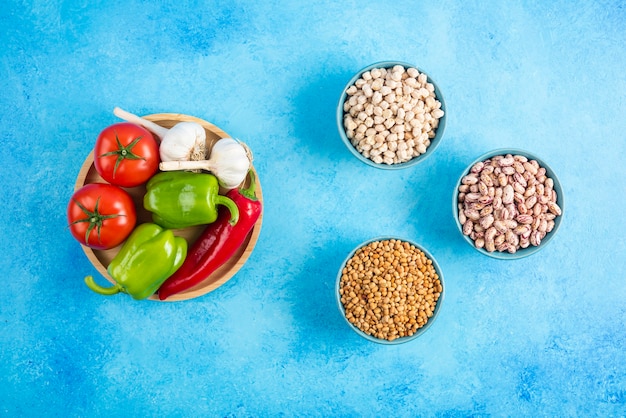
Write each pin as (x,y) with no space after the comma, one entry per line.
(179,199)
(150,255)
(101,216)
(126,154)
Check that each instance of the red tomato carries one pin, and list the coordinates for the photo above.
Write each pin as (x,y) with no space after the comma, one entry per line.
(101,216)
(126,154)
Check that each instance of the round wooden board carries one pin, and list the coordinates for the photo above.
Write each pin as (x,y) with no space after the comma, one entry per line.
(101,258)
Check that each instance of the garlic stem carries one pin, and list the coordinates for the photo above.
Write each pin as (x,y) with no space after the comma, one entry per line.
(149,125)
(186,165)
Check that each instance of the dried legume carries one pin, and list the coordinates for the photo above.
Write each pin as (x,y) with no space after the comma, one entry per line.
(389,289)
(506,203)
(392,108)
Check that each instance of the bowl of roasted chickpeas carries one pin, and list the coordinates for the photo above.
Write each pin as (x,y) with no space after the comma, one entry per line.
(508,204)
(391,115)
(389,290)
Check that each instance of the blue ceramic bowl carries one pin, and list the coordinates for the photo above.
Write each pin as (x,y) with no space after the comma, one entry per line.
(434,142)
(401,340)
(521,252)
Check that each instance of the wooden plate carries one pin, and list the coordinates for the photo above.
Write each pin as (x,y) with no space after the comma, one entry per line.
(101,258)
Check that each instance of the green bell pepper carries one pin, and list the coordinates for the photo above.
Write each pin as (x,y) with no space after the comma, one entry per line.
(148,257)
(179,199)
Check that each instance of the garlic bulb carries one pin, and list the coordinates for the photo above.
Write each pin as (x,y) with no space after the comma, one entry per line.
(185,141)
(230,162)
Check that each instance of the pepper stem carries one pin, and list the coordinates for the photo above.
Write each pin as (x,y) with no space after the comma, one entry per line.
(249,191)
(231,206)
(107,291)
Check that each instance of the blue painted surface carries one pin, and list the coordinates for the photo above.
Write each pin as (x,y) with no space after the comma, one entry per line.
(541,336)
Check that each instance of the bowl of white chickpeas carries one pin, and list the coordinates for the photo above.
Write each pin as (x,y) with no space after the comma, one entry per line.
(508,204)
(391,115)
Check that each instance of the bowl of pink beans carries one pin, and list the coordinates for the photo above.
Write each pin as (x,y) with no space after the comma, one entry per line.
(508,204)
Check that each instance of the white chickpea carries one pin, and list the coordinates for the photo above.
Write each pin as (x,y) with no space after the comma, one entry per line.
(377,84)
(377,98)
(350,124)
(365,146)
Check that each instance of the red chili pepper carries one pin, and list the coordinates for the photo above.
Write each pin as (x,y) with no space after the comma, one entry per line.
(217,243)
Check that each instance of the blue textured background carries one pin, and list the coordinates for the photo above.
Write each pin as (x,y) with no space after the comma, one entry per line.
(542,336)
